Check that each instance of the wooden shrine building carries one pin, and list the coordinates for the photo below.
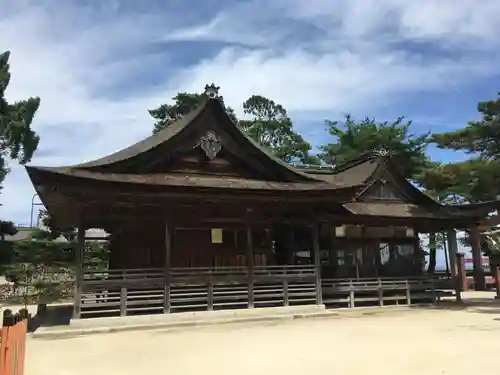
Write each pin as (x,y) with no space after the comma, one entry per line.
(201,216)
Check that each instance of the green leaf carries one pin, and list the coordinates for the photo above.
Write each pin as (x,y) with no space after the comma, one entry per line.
(351,139)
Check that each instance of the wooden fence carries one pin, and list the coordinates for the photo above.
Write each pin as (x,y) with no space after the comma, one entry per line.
(12,347)
(129,292)
(148,291)
(352,292)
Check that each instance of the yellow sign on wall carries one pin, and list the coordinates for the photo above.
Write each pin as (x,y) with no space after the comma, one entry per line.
(216,235)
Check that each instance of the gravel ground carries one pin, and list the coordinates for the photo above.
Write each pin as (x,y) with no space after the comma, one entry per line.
(421,341)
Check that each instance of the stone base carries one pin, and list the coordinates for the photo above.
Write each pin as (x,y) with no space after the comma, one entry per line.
(79,327)
(195,316)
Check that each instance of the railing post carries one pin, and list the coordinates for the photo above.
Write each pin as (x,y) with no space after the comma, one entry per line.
(408,292)
(433,290)
(250,269)
(166,293)
(285,293)
(317,264)
(210,296)
(9,319)
(123,301)
(351,294)
(380,293)
(79,258)
(167,267)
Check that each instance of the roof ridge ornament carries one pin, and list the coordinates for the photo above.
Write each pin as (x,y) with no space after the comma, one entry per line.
(212,91)
(382,151)
(210,144)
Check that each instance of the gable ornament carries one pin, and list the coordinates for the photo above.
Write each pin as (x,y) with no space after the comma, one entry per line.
(210,144)
(212,91)
(382,151)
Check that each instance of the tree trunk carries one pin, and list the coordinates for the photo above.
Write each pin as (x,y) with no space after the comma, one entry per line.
(432,253)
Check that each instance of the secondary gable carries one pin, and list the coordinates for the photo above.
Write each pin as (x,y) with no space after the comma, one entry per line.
(381,190)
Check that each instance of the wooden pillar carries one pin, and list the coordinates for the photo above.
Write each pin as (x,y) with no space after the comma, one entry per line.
(167,265)
(418,255)
(317,263)
(462,284)
(452,251)
(249,253)
(475,241)
(79,257)
(451,237)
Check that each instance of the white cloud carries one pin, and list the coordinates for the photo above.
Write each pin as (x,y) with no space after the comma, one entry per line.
(314,56)
(336,81)
(448,21)
(467,22)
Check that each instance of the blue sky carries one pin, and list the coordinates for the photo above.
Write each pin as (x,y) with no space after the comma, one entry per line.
(99,65)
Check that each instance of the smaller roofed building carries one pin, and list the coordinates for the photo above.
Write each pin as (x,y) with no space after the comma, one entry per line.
(201,209)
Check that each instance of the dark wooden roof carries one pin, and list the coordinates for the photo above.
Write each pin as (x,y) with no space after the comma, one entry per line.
(39,174)
(149,164)
(372,167)
(165,145)
(163,164)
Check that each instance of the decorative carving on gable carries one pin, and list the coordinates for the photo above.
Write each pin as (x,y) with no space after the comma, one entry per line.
(212,91)
(382,151)
(210,144)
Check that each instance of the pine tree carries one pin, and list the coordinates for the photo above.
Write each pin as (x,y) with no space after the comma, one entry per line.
(17,140)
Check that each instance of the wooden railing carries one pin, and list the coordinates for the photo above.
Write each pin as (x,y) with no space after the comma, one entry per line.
(129,292)
(12,347)
(126,292)
(350,292)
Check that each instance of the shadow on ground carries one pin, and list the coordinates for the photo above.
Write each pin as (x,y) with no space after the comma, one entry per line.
(480,305)
(58,315)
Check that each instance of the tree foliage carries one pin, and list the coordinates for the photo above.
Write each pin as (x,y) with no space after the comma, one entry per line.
(17,140)
(184,103)
(36,263)
(479,137)
(478,178)
(352,138)
(7,228)
(473,180)
(271,126)
(41,266)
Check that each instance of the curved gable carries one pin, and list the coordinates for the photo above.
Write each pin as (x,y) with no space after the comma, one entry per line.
(188,142)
